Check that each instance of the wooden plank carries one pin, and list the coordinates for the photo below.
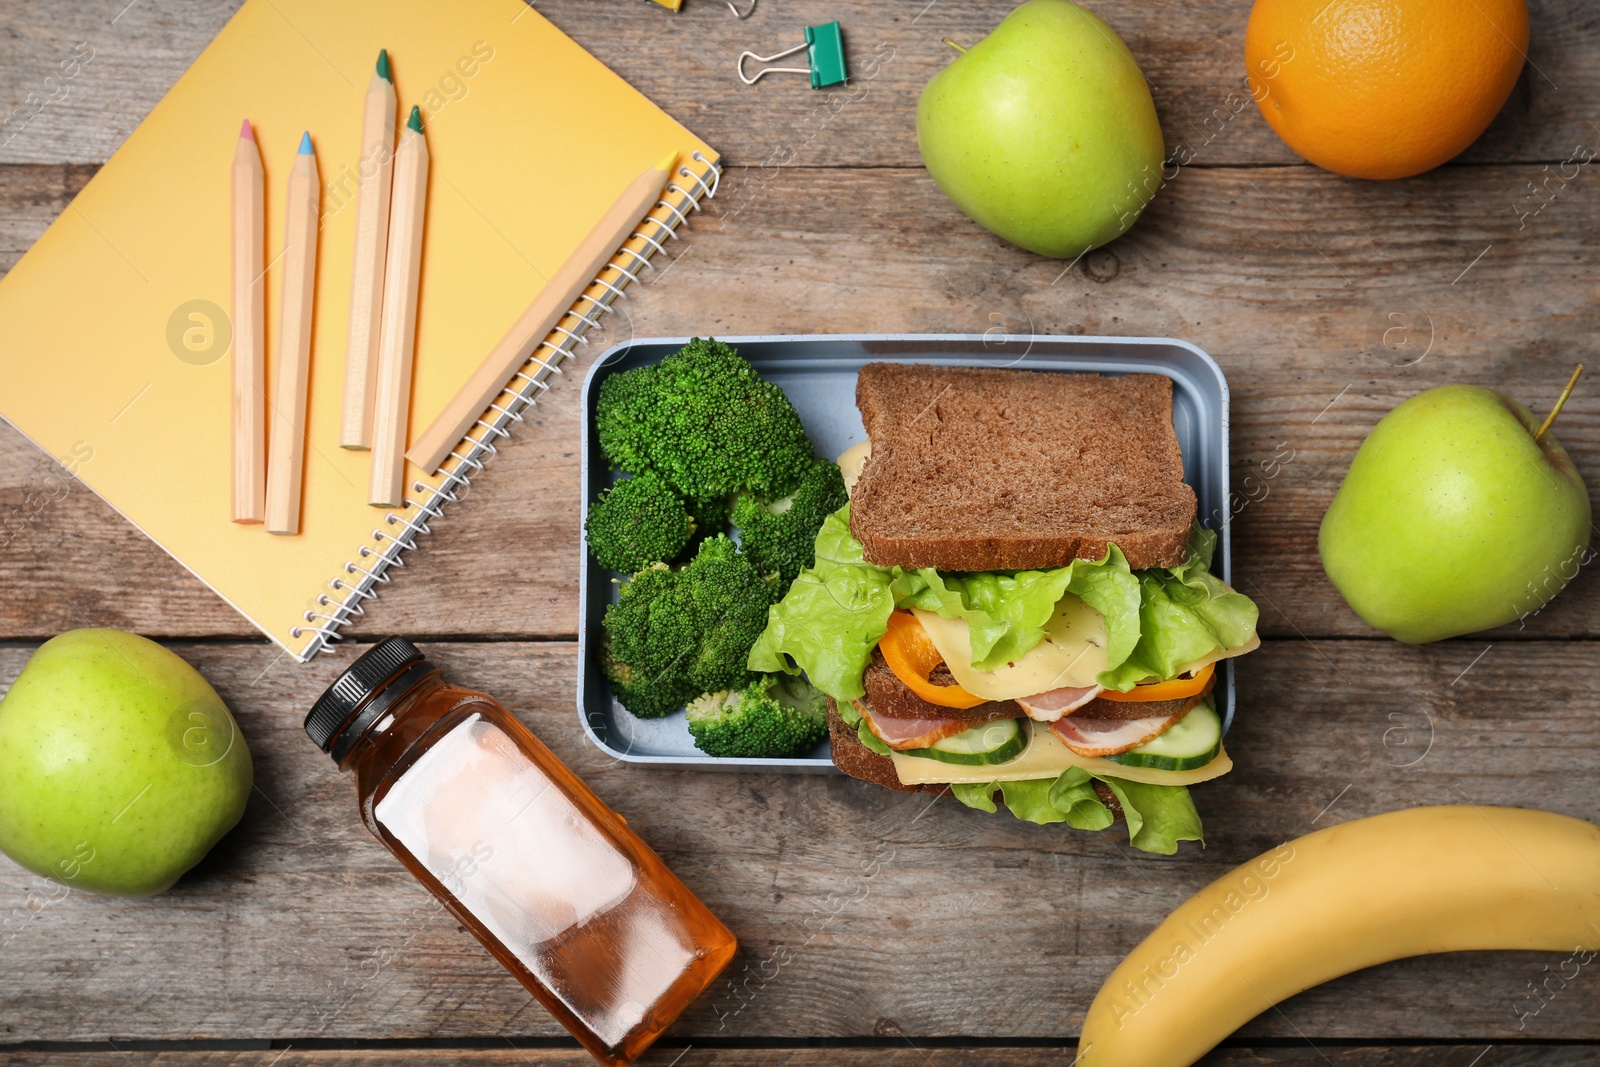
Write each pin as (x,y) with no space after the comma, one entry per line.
(30,199)
(1500,1055)
(861,912)
(1309,291)
(1192,53)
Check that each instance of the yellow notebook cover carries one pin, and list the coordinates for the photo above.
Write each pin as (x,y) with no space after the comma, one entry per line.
(115,322)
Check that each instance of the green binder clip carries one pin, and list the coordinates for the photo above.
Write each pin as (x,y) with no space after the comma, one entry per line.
(824,50)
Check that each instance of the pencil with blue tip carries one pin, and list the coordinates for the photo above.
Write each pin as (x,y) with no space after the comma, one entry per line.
(249,298)
(291,378)
(375,171)
(398,336)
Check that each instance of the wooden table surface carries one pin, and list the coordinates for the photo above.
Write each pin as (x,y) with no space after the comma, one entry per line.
(876,927)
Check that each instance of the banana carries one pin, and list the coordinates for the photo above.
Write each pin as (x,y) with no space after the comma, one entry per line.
(1423,880)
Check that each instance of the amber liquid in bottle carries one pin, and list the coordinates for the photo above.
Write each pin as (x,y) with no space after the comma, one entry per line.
(554,883)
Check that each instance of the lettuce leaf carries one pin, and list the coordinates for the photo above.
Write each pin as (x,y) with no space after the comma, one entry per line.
(1156,620)
(1030,801)
(1158,816)
(1006,613)
(1185,613)
(978,795)
(831,618)
(1073,793)
(838,608)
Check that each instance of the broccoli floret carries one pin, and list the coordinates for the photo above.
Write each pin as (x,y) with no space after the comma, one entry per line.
(677,633)
(651,628)
(772,717)
(636,523)
(710,519)
(646,698)
(730,600)
(622,418)
(706,422)
(780,536)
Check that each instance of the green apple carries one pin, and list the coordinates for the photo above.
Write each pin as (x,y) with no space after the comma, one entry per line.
(1454,517)
(1044,131)
(120,766)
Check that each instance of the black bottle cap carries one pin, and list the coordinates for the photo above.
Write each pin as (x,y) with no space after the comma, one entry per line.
(355,686)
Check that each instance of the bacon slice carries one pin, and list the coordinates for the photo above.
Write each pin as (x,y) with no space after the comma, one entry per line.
(901,734)
(1051,706)
(1107,737)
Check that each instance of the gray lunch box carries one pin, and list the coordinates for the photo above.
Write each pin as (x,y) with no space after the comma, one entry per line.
(818,372)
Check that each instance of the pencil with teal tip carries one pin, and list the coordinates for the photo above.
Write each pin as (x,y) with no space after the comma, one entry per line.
(291,378)
(374,179)
(249,295)
(398,335)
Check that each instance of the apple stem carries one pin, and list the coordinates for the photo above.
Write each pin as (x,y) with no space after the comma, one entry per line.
(1561,401)
(952,44)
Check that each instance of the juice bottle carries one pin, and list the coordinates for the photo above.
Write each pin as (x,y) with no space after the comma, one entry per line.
(548,878)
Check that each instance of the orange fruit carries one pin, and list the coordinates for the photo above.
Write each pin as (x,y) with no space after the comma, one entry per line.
(1383,88)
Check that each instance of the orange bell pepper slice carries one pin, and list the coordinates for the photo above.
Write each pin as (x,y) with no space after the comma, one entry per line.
(912,656)
(1176,689)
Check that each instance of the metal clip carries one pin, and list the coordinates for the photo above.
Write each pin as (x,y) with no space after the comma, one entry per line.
(824,48)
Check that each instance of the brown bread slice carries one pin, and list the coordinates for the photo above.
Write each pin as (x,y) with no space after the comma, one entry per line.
(859,761)
(890,698)
(980,469)
(1101,708)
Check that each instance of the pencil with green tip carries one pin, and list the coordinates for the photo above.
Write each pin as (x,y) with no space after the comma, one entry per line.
(543,315)
(291,373)
(397,335)
(374,175)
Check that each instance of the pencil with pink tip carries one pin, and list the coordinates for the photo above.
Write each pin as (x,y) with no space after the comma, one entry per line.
(249,291)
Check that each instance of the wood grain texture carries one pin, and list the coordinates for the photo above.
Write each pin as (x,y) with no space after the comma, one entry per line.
(1310,291)
(300,927)
(865,915)
(1192,53)
(907,1055)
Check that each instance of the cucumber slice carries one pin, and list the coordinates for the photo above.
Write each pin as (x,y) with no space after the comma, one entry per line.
(1193,741)
(986,743)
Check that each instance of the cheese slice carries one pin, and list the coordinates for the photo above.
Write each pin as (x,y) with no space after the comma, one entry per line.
(1047,757)
(851,461)
(1218,654)
(1072,652)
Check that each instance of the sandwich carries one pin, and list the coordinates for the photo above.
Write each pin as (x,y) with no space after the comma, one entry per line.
(1017,603)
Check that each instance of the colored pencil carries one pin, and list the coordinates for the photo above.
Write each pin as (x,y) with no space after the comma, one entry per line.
(375,170)
(398,334)
(249,290)
(291,378)
(542,316)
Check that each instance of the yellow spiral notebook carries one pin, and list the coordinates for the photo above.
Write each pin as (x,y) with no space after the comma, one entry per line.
(114,324)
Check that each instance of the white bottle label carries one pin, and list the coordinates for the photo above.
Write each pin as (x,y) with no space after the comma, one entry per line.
(508,844)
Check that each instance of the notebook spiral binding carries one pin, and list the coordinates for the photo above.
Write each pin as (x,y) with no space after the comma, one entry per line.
(362,576)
